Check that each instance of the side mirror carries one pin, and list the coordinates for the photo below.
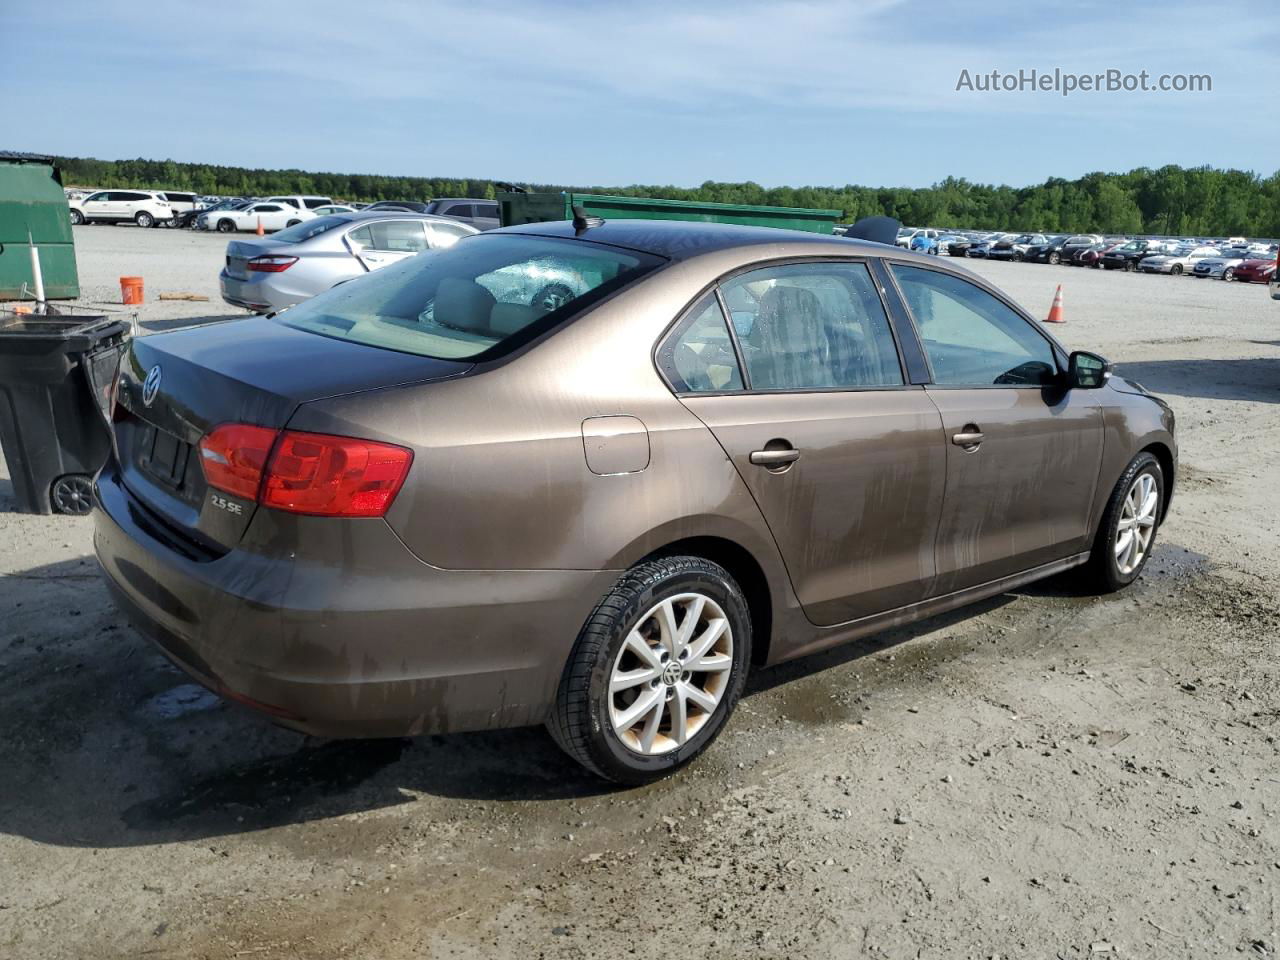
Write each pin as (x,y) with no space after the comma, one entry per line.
(1088,371)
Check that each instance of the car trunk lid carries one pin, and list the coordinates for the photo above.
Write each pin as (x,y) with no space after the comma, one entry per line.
(239,253)
(175,388)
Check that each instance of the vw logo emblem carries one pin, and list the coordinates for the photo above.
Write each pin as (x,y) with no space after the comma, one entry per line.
(151,386)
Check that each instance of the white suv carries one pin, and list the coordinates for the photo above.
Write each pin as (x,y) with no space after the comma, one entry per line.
(142,207)
(304,205)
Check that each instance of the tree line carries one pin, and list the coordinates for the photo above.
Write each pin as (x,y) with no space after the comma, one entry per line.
(1170,200)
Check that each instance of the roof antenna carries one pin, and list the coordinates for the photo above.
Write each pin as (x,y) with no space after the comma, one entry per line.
(582,221)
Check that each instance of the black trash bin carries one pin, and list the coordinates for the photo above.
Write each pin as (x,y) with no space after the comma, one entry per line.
(56,378)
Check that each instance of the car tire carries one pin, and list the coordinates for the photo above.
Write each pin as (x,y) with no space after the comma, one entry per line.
(77,218)
(639,635)
(144,219)
(1175,270)
(1129,266)
(226,226)
(1228,274)
(1115,562)
(1018,258)
(1055,259)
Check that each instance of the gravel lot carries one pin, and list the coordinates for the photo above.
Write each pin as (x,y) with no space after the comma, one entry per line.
(1042,775)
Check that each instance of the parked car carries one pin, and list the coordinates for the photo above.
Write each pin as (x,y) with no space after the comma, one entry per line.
(272,215)
(407,206)
(268,274)
(923,243)
(1127,255)
(481,214)
(330,209)
(305,205)
(906,236)
(1091,255)
(1221,267)
(142,207)
(1257,270)
(1015,248)
(958,246)
(1048,252)
(180,204)
(982,248)
(421,503)
(1177,261)
(190,218)
(1076,244)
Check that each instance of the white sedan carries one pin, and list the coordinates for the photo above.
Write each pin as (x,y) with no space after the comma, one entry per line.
(1181,260)
(271,215)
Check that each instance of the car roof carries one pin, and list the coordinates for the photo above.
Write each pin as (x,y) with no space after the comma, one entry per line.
(359,216)
(682,240)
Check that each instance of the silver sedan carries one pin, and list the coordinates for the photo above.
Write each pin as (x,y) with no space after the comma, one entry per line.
(265,274)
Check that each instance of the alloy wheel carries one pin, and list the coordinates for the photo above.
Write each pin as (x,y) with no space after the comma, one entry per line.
(1137,523)
(670,674)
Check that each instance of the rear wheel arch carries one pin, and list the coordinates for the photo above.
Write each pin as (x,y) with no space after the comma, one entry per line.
(742,565)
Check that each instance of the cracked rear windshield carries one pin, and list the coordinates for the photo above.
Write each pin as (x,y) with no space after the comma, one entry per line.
(473,299)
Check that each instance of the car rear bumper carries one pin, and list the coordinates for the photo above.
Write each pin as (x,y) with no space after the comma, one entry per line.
(334,628)
(252,294)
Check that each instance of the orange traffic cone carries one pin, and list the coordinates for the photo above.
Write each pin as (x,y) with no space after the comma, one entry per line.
(1055,312)
(261,232)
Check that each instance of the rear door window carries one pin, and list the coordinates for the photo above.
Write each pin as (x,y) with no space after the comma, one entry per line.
(813,326)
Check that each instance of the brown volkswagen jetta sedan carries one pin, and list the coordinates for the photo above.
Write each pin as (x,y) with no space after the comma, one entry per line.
(589,477)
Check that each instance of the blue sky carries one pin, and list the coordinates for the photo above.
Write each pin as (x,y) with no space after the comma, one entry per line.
(657,92)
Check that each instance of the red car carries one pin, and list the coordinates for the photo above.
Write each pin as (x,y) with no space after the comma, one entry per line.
(1091,256)
(1256,271)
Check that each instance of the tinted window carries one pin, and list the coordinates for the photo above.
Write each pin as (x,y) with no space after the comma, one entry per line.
(460,210)
(971,338)
(266,208)
(700,358)
(307,229)
(486,210)
(808,326)
(446,234)
(289,200)
(399,236)
(313,202)
(468,300)
(97,197)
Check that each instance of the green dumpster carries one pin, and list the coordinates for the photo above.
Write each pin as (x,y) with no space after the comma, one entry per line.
(515,208)
(31,199)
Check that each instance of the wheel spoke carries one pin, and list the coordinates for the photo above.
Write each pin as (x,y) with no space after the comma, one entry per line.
(1148,507)
(1122,544)
(666,614)
(712,663)
(637,645)
(643,704)
(692,614)
(707,640)
(679,711)
(626,679)
(700,698)
(650,731)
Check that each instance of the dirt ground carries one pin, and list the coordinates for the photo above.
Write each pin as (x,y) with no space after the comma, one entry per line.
(1046,774)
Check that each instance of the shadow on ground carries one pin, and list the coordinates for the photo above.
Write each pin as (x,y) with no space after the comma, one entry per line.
(1255,378)
(104,743)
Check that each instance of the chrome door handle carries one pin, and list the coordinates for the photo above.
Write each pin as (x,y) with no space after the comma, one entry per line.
(774,458)
(968,438)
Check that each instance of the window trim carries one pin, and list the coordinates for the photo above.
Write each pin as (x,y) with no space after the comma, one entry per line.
(1059,355)
(686,315)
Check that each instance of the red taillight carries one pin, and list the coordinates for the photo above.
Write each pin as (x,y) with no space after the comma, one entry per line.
(233,457)
(330,476)
(271,264)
